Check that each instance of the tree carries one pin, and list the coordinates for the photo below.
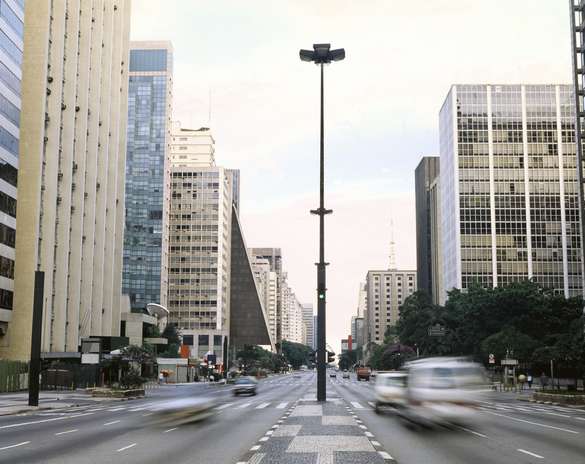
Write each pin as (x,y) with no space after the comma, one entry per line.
(296,354)
(348,359)
(391,356)
(171,333)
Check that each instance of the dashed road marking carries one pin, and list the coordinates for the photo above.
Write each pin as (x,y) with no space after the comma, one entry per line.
(385,455)
(262,406)
(531,454)
(170,430)
(126,447)
(255,448)
(66,432)
(223,406)
(14,446)
(281,406)
(111,423)
(533,423)
(245,405)
(356,405)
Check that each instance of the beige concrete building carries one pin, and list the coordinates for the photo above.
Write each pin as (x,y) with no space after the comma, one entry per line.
(71,172)
(386,291)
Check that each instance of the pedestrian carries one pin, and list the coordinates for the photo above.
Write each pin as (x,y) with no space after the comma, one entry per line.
(529,380)
(161,378)
(543,381)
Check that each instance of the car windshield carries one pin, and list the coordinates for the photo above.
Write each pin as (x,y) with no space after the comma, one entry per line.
(245,381)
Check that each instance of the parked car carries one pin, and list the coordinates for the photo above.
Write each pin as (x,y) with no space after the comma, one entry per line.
(245,385)
(363,373)
(443,390)
(390,390)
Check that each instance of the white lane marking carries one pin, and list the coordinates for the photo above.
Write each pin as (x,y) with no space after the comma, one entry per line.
(84,414)
(111,423)
(14,446)
(531,454)
(369,434)
(580,418)
(223,406)
(356,405)
(245,405)
(385,455)
(147,414)
(262,406)
(117,409)
(473,432)
(66,431)
(10,426)
(363,427)
(137,409)
(533,423)
(270,432)
(255,448)
(281,406)
(556,414)
(371,403)
(126,447)
(264,439)
(376,443)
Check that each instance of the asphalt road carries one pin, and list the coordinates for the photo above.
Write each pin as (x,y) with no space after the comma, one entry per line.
(504,430)
(120,432)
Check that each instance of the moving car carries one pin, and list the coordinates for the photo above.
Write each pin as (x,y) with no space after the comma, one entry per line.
(245,385)
(345,374)
(390,390)
(443,390)
(183,411)
(363,373)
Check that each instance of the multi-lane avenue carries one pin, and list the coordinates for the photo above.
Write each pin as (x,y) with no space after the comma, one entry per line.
(505,429)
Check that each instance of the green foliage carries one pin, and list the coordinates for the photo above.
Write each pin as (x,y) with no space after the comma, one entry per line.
(348,358)
(253,358)
(391,356)
(131,379)
(136,354)
(296,354)
(524,318)
(171,333)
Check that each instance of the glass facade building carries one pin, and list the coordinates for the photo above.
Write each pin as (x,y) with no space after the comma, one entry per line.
(11,47)
(509,189)
(147,173)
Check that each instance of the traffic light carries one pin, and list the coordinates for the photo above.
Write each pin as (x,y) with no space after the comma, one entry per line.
(313,357)
(330,356)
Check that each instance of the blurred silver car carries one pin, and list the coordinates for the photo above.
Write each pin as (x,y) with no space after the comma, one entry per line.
(245,386)
(443,390)
(183,410)
(390,390)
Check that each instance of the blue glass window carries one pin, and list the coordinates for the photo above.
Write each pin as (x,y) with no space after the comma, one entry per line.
(148,60)
(10,17)
(10,48)
(8,141)
(9,111)
(11,81)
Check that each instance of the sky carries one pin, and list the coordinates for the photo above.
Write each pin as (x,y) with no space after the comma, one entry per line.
(237,71)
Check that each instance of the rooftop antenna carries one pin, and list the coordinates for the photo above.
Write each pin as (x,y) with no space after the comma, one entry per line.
(392,247)
(209,109)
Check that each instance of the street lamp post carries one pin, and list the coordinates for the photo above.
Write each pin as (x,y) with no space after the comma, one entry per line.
(321,55)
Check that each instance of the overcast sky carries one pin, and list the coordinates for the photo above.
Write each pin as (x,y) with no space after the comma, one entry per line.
(382,107)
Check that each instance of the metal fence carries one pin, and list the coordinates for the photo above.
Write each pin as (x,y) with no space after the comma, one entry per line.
(13,376)
(68,376)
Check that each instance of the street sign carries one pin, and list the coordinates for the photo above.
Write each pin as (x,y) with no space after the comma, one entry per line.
(509,362)
(492,359)
(436,330)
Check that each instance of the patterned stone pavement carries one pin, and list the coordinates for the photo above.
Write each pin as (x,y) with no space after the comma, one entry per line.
(310,432)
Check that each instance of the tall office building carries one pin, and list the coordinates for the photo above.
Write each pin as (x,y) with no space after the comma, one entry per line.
(386,291)
(307,309)
(11,46)
(71,165)
(357,331)
(509,189)
(200,235)
(314,342)
(577,12)
(147,173)
(425,175)
(266,279)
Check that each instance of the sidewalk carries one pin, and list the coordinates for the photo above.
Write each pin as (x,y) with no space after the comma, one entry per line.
(17,403)
(317,433)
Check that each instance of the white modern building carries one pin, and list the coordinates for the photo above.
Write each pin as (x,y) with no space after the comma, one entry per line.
(307,309)
(386,291)
(71,173)
(267,281)
(508,187)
